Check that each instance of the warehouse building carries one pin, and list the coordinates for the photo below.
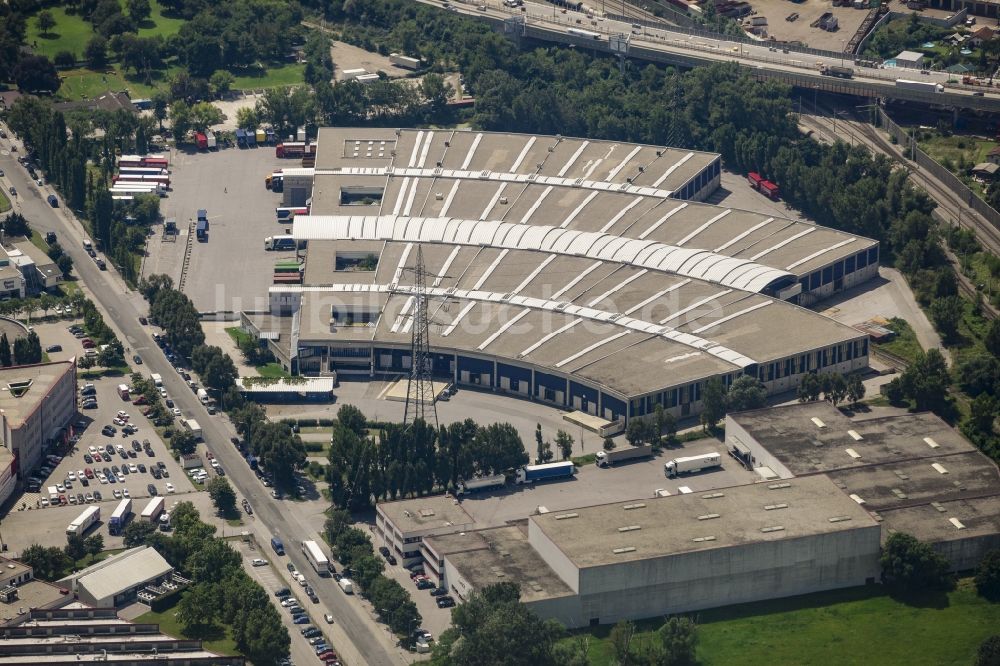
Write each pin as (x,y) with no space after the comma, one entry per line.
(37,402)
(582,274)
(402,526)
(77,634)
(116,581)
(631,560)
(912,472)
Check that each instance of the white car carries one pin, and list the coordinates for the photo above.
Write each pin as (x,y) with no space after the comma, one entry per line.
(60,487)
(258,562)
(71,475)
(170,488)
(215,463)
(89,498)
(80,474)
(103,479)
(117,493)
(176,411)
(122,414)
(290,601)
(72,498)
(133,468)
(45,501)
(125,492)
(163,392)
(92,450)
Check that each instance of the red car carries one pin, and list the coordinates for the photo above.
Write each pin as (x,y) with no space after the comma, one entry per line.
(89,472)
(62,500)
(141,400)
(88,344)
(328,655)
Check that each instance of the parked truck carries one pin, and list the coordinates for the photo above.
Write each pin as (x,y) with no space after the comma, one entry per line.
(925,86)
(609,458)
(346,585)
(406,62)
(201,140)
(123,391)
(203,396)
(293,149)
(157,380)
(279,243)
(556,470)
(193,426)
(120,516)
(482,483)
(83,522)
(691,464)
(210,142)
(835,70)
(151,514)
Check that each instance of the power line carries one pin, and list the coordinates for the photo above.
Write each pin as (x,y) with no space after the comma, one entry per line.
(420,397)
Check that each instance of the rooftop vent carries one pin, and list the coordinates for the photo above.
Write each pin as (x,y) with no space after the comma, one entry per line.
(566,516)
(773,507)
(626,549)
(427,513)
(503,201)
(856,498)
(854,454)
(899,493)
(438,196)
(819,423)
(638,505)
(773,528)
(447,144)
(708,516)
(839,519)
(957,523)
(779,486)
(938,506)
(931,443)
(630,528)
(713,495)
(855,435)
(704,538)
(939,468)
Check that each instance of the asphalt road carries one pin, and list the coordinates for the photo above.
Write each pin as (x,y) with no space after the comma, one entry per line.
(122,310)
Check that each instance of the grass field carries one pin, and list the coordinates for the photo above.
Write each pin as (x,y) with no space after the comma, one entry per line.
(905,344)
(72,32)
(273,77)
(853,626)
(216,639)
(272,371)
(87,84)
(4,203)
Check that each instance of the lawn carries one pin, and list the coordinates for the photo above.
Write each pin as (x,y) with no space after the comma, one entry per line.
(956,148)
(72,32)
(272,371)
(273,77)
(216,639)
(849,626)
(4,203)
(87,84)
(905,344)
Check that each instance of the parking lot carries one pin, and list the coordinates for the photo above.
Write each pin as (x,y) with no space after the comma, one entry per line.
(32,506)
(231,270)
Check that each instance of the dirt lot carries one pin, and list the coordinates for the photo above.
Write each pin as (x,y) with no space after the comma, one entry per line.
(346,56)
(776,12)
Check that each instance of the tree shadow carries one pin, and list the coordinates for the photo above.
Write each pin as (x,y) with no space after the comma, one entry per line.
(147,24)
(936,599)
(50,36)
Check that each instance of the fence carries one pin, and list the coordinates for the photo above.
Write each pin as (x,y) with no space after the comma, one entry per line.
(947,178)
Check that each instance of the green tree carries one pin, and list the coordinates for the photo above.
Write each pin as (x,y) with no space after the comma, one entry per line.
(983,412)
(28,350)
(64,59)
(564,442)
(366,569)
(988,576)
(47,563)
(214,559)
(908,565)
(713,403)
(75,547)
(978,373)
(991,338)
(247,118)
(183,442)
(609,444)
(834,387)
(139,10)
(855,388)
(94,544)
(263,639)
(36,74)
(198,608)
(336,522)
(498,448)
(676,643)
(989,652)
(221,82)
(45,21)
(746,392)
(349,539)
(6,360)
(204,115)
(160,104)
(946,312)
(112,356)
(223,496)
(96,52)
(926,380)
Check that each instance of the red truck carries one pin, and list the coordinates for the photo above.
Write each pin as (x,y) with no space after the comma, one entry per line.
(201,140)
(764,186)
(294,149)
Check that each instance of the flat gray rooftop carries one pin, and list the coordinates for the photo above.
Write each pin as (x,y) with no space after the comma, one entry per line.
(776,511)
(790,434)
(42,378)
(498,555)
(935,522)
(425,513)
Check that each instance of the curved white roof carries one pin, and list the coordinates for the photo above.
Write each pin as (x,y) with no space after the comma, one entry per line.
(701,264)
(570,309)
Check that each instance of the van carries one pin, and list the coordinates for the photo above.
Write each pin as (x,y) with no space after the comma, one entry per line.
(87,245)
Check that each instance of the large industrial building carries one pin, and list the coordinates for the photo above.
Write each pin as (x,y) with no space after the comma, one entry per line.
(828,491)
(630,560)
(37,402)
(912,472)
(583,274)
(117,580)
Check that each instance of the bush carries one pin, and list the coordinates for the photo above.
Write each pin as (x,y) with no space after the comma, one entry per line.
(313,447)
(326,423)
(307,423)
(910,565)
(988,576)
